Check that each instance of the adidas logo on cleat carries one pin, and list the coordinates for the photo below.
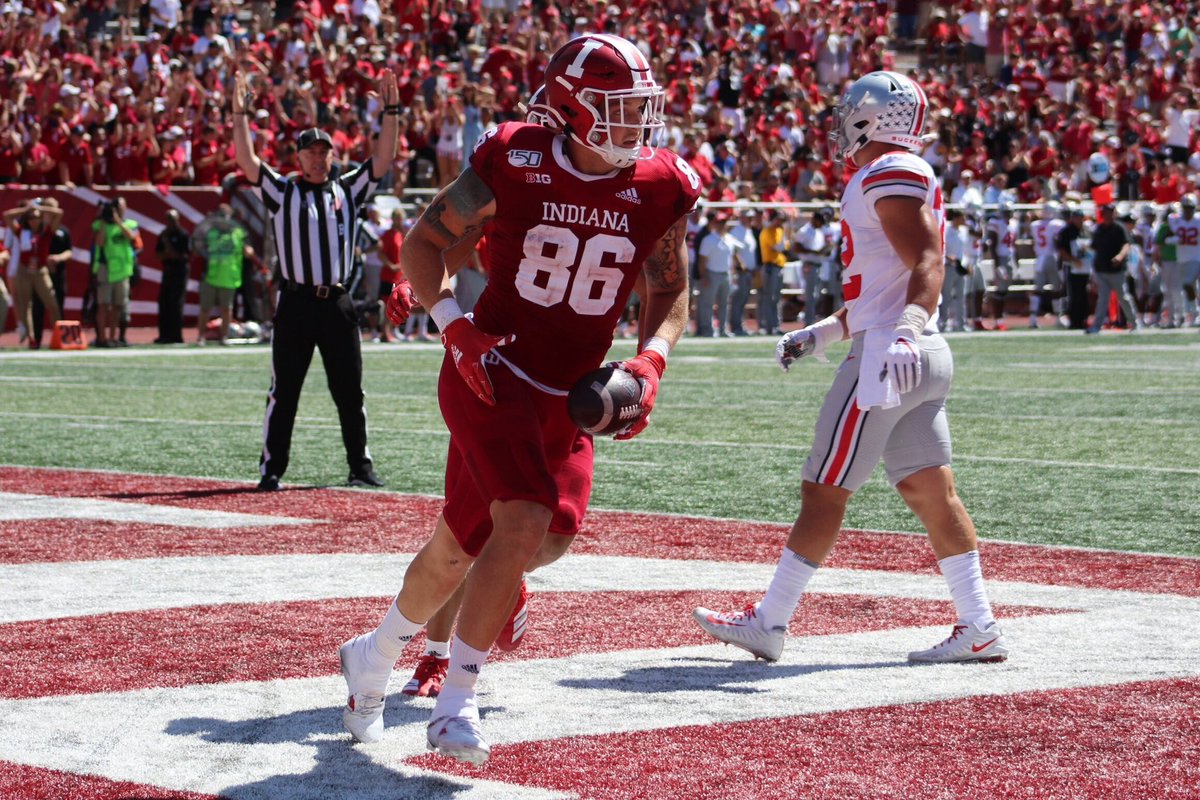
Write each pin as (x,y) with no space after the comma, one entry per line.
(629,195)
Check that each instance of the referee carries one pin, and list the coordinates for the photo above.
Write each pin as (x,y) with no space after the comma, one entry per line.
(314,220)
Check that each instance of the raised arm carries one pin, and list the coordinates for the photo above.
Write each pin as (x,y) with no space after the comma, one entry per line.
(385,146)
(243,148)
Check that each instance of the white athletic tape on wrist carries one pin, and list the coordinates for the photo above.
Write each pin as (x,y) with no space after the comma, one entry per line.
(444,312)
(825,333)
(912,322)
(658,345)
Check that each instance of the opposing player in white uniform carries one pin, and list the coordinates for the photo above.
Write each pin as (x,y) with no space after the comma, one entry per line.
(888,399)
(1047,277)
(1002,233)
(1185,228)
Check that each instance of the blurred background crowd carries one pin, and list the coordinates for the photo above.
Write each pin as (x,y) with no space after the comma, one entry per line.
(1021,94)
(1030,102)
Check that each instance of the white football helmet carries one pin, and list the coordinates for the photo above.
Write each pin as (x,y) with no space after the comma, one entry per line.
(1051,210)
(879,107)
(596,84)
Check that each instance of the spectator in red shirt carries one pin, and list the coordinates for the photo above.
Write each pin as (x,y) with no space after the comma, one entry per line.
(75,160)
(391,273)
(39,164)
(207,157)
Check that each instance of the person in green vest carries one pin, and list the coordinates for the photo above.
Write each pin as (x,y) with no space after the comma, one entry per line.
(221,241)
(114,256)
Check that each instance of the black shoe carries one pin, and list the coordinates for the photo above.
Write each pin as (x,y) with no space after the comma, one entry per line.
(269,483)
(367,478)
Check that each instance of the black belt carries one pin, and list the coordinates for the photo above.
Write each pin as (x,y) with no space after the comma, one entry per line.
(321,292)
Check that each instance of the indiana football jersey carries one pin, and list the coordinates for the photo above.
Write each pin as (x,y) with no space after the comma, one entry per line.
(1044,232)
(875,280)
(565,247)
(1187,237)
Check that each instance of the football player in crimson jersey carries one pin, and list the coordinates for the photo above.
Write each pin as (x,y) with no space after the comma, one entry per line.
(888,399)
(430,672)
(575,218)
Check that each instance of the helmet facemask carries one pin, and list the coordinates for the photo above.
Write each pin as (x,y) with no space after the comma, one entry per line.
(640,107)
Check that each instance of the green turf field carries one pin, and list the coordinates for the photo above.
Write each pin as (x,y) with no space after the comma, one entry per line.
(1059,438)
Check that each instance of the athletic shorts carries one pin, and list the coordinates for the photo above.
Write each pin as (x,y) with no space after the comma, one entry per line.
(523,448)
(113,293)
(215,296)
(910,437)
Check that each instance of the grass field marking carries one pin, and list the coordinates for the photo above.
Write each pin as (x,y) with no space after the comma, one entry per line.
(987,392)
(20,506)
(284,733)
(1164,421)
(1106,366)
(604,510)
(1038,462)
(106,423)
(43,591)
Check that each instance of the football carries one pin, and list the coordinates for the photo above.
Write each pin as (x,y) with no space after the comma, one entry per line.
(605,401)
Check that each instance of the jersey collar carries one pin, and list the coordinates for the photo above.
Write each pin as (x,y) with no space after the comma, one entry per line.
(559,148)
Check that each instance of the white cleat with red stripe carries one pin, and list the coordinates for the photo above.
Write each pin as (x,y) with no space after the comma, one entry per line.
(363,714)
(744,629)
(457,733)
(966,643)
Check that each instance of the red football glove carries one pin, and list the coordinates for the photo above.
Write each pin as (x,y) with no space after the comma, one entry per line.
(400,303)
(468,345)
(648,367)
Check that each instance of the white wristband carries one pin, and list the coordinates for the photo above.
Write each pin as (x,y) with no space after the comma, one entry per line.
(912,321)
(826,332)
(444,312)
(658,345)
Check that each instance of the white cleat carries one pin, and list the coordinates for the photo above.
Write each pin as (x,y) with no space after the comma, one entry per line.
(459,737)
(744,629)
(363,714)
(966,643)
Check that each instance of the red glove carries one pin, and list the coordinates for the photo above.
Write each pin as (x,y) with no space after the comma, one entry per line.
(648,367)
(468,345)
(400,302)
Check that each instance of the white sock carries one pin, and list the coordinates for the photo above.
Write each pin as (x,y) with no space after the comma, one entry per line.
(439,649)
(787,585)
(465,665)
(965,579)
(394,633)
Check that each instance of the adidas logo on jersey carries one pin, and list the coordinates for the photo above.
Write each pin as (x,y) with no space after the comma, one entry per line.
(630,194)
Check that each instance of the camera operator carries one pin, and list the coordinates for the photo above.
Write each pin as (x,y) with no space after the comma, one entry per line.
(117,242)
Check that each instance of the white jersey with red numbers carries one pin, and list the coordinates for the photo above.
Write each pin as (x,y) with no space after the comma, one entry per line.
(565,247)
(1187,237)
(1006,232)
(1044,232)
(875,280)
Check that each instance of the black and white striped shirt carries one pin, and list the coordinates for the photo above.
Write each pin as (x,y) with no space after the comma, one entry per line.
(315,223)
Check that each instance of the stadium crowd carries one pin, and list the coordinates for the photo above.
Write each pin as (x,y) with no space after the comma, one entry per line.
(1025,99)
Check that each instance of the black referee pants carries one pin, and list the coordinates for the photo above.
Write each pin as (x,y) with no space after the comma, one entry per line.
(302,322)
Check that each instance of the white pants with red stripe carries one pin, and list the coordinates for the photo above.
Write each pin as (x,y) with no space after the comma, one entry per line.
(850,441)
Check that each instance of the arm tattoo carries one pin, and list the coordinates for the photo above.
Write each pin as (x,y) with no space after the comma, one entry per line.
(666,266)
(456,212)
